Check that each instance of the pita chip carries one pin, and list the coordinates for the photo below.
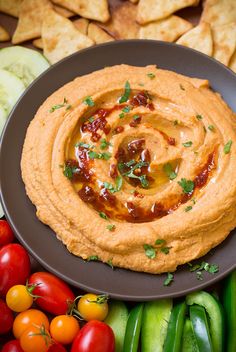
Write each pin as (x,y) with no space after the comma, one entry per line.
(98,35)
(224,38)
(133,1)
(152,10)
(122,24)
(232,63)
(61,38)
(63,12)
(32,13)
(10,7)
(82,25)
(168,29)
(38,43)
(92,9)
(199,38)
(4,35)
(219,12)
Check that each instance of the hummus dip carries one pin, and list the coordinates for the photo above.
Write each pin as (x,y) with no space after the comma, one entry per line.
(134,166)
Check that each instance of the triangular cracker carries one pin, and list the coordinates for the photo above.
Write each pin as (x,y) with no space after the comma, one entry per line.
(32,13)
(4,35)
(232,63)
(152,10)
(10,7)
(219,12)
(98,35)
(224,38)
(199,38)
(168,29)
(61,38)
(82,25)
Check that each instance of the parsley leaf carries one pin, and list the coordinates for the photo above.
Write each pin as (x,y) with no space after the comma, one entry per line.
(151,75)
(126,94)
(199,117)
(211,128)
(167,168)
(69,171)
(150,251)
(188,208)
(92,258)
(94,155)
(165,250)
(109,262)
(126,109)
(169,279)
(58,106)
(187,144)
(117,187)
(136,117)
(187,185)
(83,145)
(104,144)
(89,101)
(227,146)
(158,242)
(111,227)
(91,119)
(103,215)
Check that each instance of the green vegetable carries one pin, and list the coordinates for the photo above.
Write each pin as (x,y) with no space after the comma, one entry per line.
(169,279)
(117,319)
(227,147)
(126,94)
(189,343)
(175,328)
(201,329)
(188,144)
(133,329)
(169,171)
(156,316)
(187,185)
(150,251)
(89,101)
(215,315)
(151,75)
(229,303)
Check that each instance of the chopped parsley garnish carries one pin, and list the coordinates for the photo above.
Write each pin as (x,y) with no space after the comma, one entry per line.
(151,75)
(126,94)
(58,106)
(211,128)
(141,84)
(121,115)
(69,171)
(136,117)
(94,155)
(111,187)
(188,208)
(111,227)
(143,178)
(169,279)
(199,117)
(92,258)
(109,262)
(83,145)
(126,109)
(165,250)
(181,87)
(176,122)
(91,119)
(89,101)
(227,146)
(150,251)
(68,107)
(158,242)
(188,144)
(103,215)
(169,171)
(198,268)
(187,185)
(104,144)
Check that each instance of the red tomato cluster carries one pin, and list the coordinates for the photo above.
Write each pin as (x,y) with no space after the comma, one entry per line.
(31,327)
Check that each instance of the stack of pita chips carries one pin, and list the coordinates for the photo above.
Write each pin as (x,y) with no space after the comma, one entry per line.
(62,27)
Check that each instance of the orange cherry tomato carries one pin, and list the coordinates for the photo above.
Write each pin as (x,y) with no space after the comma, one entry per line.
(18,298)
(35,339)
(93,307)
(64,328)
(27,319)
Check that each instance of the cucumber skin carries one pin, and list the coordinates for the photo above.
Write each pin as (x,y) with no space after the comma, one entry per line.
(229,303)
(117,319)
(189,343)
(156,316)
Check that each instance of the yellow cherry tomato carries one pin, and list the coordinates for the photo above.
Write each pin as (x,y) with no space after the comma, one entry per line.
(18,298)
(93,307)
(35,339)
(28,318)
(64,328)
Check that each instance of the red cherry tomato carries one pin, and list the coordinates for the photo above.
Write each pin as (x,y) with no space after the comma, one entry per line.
(95,336)
(14,266)
(56,347)
(6,318)
(54,293)
(6,233)
(12,346)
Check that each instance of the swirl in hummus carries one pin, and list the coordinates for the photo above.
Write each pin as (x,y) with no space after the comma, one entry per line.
(134,166)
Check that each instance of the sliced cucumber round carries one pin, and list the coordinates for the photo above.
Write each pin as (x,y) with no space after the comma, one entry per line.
(25,63)
(11,88)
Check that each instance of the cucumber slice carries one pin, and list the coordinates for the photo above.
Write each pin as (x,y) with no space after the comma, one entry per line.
(3,118)
(25,63)
(11,88)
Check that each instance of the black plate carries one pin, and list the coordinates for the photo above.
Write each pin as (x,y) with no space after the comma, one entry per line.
(38,238)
